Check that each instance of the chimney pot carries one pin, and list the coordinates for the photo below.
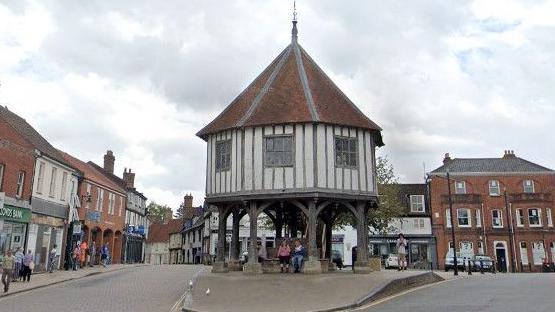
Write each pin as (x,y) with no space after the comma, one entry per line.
(446,159)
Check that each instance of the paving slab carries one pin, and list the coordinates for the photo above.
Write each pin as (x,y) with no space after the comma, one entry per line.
(40,280)
(235,291)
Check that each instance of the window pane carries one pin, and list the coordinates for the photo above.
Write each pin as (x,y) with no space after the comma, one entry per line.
(269,144)
(288,144)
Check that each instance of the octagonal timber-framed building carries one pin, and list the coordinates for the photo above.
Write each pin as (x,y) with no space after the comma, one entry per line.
(291,144)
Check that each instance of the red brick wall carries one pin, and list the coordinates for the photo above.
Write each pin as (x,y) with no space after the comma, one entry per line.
(480,185)
(114,222)
(16,155)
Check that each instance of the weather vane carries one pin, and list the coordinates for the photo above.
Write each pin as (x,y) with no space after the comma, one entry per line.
(294,11)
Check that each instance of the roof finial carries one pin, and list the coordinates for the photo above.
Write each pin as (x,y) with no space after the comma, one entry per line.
(294,31)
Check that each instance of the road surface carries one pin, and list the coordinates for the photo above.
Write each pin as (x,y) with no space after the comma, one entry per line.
(487,293)
(145,288)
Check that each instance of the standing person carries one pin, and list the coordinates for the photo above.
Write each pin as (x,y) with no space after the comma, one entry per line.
(28,266)
(299,252)
(104,253)
(76,256)
(18,264)
(284,255)
(92,254)
(402,252)
(8,265)
(52,258)
(84,248)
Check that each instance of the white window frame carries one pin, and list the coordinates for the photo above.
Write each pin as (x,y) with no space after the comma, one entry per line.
(88,199)
(20,183)
(549,218)
(528,183)
(468,217)
(519,212)
(448,221)
(120,205)
(417,201)
(40,178)
(539,215)
(499,217)
(494,189)
(111,203)
(64,186)
(463,188)
(53,177)
(523,253)
(2,168)
(478,218)
(536,260)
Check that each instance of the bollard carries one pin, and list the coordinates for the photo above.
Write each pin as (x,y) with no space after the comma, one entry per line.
(469,267)
(481,266)
(493,267)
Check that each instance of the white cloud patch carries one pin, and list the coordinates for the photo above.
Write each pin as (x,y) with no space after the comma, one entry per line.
(141,78)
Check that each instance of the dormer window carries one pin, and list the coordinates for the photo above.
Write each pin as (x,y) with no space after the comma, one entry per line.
(528,186)
(460,187)
(278,151)
(417,203)
(346,152)
(223,155)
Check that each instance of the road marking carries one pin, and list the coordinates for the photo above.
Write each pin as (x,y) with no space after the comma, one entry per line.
(377,302)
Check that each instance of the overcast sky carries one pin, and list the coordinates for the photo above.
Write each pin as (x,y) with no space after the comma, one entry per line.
(472,78)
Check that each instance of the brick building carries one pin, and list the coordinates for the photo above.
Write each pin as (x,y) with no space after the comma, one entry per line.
(17,160)
(502,207)
(102,211)
(158,241)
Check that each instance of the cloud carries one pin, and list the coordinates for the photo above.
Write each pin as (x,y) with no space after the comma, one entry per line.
(139,77)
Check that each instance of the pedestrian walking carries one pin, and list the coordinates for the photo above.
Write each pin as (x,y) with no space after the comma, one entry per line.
(284,255)
(92,253)
(8,265)
(76,255)
(28,266)
(52,258)
(104,254)
(18,264)
(84,249)
(401,252)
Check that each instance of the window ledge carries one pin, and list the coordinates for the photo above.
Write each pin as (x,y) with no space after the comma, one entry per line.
(497,227)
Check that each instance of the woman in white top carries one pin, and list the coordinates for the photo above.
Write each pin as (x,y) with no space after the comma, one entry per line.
(402,252)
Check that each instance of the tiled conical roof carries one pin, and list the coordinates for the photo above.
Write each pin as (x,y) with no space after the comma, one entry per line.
(291,89)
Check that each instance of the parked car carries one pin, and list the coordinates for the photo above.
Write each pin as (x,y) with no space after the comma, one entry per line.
(392,261)
(449,262)
(481,260)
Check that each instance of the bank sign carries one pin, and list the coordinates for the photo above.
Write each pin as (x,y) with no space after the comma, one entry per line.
(12,213)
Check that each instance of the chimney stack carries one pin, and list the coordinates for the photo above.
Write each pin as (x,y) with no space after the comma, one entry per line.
(188,212)
(446,159)
(129,178)
(109,161)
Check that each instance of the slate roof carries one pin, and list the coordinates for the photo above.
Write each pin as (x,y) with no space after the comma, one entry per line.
(292,89)
(160,232)
(117,180)
(91,173)
(404,192)
(31,135)
(491,165)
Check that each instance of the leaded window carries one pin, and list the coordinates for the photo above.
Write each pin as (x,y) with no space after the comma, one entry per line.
(278,151)
(223,155)
(346,152)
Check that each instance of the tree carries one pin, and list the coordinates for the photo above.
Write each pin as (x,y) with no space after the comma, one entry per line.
(389,206)
(158,213)
(180,213)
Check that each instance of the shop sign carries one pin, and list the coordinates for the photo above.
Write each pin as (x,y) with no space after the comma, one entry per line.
(12,213)
(76,228)
(93,216)
(337,238)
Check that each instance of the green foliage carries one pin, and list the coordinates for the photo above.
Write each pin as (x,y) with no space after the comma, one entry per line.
(389,205)
(158,213)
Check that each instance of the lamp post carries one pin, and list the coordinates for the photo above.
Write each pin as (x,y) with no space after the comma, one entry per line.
(455,263)
(511,230)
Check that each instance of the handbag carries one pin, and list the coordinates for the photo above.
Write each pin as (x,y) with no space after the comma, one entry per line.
(32,265)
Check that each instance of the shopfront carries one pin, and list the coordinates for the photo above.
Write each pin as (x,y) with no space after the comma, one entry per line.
(420,251)
(44,233)
(14,222)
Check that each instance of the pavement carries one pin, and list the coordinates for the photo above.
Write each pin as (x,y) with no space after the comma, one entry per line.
(128,288)
(235,291)
(485,293)
(58,276)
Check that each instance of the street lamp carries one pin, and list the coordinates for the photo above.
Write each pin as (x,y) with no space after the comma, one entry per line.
(456,264)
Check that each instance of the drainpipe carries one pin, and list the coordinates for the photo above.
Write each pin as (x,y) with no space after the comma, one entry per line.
(511,232)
